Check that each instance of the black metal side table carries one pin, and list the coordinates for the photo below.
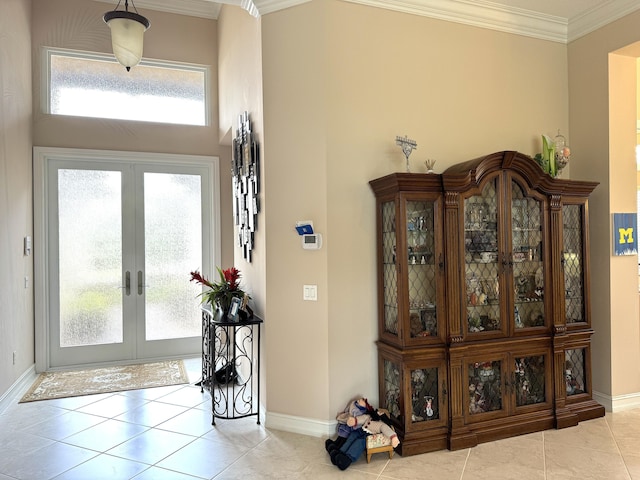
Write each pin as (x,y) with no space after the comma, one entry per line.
(231,365)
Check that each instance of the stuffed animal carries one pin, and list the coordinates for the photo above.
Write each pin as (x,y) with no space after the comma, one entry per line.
(355,409)
(346,450)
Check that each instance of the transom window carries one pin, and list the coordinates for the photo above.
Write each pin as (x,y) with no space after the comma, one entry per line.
(95,85)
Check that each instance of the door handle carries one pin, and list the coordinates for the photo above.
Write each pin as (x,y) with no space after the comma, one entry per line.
(127,283)
(140,285)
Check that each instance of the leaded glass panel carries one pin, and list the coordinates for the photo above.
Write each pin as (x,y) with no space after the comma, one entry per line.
(481,260)
(424,394)
(389,268)
(392,388)
(530,380)
(527,248)
(574,371)
(485,392)
(422,268)
(572,262)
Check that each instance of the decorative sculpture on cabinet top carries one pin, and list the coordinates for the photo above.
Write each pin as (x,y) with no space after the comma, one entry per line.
(407,146)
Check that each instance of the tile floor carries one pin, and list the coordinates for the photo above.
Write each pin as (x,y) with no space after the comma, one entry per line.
(166,434)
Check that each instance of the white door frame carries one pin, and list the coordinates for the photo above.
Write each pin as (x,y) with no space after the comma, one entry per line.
(41,158)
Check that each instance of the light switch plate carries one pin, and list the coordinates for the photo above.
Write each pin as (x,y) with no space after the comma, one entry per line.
(310,292)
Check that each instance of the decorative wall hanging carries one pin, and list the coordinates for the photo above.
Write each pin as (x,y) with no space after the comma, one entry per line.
(625,236)
(246,185)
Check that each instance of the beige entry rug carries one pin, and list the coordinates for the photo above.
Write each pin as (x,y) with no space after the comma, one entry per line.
(50,385)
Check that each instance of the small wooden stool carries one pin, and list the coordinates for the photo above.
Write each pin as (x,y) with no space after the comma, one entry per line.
(377,443)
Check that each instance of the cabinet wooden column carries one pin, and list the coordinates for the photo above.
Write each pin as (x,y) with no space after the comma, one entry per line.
(484,304)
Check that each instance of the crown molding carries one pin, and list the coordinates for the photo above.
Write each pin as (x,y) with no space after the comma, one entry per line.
(481,14)
(269,6)
(477,13)
(600,16)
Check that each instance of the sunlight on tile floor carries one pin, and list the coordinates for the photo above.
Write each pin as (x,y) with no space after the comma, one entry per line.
(165,433)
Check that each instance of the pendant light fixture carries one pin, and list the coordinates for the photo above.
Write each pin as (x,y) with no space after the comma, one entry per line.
(127,32)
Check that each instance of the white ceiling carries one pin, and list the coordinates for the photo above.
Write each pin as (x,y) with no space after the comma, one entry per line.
(555,20)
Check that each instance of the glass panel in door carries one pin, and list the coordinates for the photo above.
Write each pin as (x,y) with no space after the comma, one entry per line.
(572,263)
(390,270)
(424,394)
(392,389)
(173,247)
(481,261)
(574,371)
(526,252)
(529,380)
(90,257)
(422,272)
(485,386)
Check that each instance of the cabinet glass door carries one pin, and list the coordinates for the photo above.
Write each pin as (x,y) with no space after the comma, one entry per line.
(573,263)
(529,380)
(574,371)
(527,254)
(424,395)
(421,268)
(391,389)
(485,386)
(389,268)
(481,261)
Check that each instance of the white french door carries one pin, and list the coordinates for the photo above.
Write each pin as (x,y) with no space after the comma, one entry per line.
(122,232)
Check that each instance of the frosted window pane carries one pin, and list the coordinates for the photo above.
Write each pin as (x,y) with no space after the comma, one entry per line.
(104,89)
(173,248)
(90,271)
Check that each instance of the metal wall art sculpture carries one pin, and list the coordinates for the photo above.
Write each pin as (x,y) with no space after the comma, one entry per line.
(246,185)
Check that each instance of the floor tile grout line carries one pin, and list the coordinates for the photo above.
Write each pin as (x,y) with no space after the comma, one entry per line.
(615,441)
(544,456)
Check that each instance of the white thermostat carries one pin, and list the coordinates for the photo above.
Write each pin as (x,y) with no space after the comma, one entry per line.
(312,241)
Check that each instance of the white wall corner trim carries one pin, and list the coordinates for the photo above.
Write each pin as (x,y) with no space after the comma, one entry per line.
(304,426)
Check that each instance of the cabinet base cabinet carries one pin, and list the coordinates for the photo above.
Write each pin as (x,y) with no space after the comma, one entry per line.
(496,430)
(416,443)
(586,410)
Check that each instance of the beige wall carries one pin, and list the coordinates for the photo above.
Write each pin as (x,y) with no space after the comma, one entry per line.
(240,90)
(602,117)
(16,217)
(340,82)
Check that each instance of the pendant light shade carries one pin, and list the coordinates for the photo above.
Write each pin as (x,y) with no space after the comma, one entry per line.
(127,32)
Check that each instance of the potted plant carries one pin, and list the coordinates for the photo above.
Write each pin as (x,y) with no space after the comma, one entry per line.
(220,293)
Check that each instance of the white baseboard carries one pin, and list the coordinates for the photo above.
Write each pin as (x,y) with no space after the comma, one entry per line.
(304,426)
(18,389)
(618,403)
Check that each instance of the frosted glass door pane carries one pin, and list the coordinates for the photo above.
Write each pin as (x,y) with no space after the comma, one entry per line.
(90,257)
(173,248)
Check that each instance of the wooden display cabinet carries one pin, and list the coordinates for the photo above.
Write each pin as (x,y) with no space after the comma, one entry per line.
(469,318)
